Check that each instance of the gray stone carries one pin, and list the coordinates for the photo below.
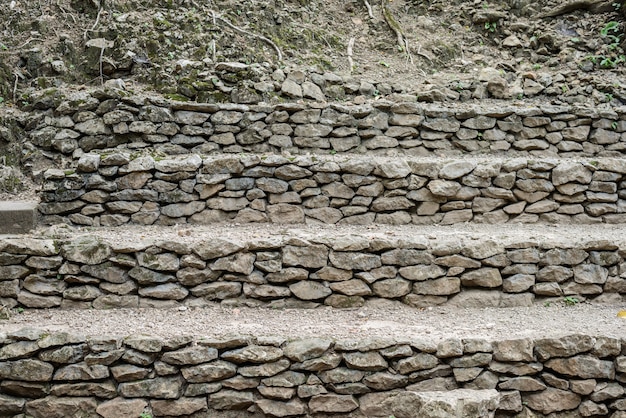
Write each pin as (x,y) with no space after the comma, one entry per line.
(331,403)
(61,407)
(121,407)
(86,250)
(230,400)
(281,409)
(309,290)
(302,350)
(179,407)
(311,256)
(484,277)
(583,366)
(552,400)
(209,372)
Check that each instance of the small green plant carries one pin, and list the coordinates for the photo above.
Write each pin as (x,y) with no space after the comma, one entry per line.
(19,310)
(536,67)
(1,99)
(145,415)
(614,126)
(611,26)
(491,26)
(570,300)
(383,63)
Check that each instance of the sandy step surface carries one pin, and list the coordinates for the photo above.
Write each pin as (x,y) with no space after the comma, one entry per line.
(375,320)
(137,236)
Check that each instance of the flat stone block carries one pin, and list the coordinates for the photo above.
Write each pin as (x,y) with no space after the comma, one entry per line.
(17,217)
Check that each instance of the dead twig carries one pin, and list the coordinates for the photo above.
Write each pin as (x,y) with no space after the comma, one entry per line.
(245,32)
(350,61)
(15,87)
(101,75)
(369,9)
(94,25)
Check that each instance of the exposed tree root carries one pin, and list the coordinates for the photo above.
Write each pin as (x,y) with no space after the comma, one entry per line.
(403,43)
(217,17)
(593,6)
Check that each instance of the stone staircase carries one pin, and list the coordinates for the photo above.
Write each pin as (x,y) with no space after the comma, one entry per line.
(299,206)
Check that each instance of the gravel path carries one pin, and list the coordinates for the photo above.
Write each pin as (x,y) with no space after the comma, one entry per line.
(381,320)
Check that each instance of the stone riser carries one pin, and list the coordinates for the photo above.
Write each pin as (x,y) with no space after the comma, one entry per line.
(300,269)
(114,189)
(60,374)
(86,123)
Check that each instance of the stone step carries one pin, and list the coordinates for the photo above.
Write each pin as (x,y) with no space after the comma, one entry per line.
(341,266)
(120,188)
(17,217)
(381,126)
(262,363)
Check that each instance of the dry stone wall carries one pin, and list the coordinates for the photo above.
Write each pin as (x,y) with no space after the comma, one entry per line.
(300,271)
(86,121)
(61,374)
(113,189)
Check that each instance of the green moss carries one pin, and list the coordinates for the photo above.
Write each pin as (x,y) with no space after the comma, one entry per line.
(177,97)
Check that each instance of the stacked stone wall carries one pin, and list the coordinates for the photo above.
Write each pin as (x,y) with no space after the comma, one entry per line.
(113,189)
(303,271)
(100,120)
(60,374)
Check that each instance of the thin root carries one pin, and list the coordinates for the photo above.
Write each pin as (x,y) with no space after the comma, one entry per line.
(350,61)
(245,32)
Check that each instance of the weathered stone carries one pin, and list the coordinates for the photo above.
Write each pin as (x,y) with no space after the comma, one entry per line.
(370,361)
(302,350)
(311,256)
(217,290)
(81,371)
(86,250)
(209,372)
(61,407)
(121,407)
(421,361)
(513,350)
(253,354)
(355,261)
(281,409)
(523,384)
(552,400)
(330,403)
(190,355)
(237,263)
(179,407)
(583,366)
(308,290)
(216,248)
(265,370)
(484,277)
(27,370)
(590,274)
(445,188)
